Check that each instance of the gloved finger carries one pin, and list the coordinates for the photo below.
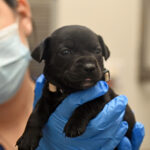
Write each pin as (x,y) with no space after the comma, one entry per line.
(43,144)
(104,131)
(138,134)
(38,88)
(39,83)
(114,141)
(74,100)
(125,144)
(110,113)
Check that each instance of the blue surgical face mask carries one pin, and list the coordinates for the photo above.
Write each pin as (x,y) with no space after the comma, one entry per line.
(14,60)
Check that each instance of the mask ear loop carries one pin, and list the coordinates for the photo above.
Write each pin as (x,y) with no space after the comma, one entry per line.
(106,75)
(17,23)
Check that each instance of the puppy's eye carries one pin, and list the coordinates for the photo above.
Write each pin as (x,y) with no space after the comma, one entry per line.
(65,52)
(98,51)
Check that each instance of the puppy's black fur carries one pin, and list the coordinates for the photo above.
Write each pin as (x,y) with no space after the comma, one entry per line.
(73,58)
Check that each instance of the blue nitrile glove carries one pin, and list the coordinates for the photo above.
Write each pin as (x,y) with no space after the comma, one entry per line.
(138,133)
(103,132)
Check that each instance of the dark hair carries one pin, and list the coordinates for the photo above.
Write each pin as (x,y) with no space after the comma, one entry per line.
(11,3)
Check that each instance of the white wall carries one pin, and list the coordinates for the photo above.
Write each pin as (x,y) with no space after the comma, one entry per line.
(118,21)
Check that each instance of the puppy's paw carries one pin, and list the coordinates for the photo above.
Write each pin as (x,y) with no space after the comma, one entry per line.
(74,128)
(29,140)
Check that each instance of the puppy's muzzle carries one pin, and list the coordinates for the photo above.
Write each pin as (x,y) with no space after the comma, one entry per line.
(89,67)
(85,64)
(83,73)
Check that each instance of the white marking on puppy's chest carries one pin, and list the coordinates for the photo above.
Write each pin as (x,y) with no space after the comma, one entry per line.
(52,88)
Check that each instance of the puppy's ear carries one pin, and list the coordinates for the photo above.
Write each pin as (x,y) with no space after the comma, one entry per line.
(40,52)
(105,50)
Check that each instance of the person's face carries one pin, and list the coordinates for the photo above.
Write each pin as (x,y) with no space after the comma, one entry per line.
(21,14)
(7,16)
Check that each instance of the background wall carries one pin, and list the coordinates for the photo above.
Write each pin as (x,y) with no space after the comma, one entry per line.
(44,15)
(119,22)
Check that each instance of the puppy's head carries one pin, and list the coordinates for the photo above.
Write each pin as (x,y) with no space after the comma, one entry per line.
(73,57)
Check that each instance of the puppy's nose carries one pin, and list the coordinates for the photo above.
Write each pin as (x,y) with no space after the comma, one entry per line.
(89,67)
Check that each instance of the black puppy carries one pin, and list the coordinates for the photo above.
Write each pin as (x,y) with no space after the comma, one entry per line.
(73,58)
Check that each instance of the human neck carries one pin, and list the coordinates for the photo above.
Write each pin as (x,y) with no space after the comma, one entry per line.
(18,109)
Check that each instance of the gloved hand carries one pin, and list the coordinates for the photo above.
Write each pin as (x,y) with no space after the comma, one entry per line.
(103,132)
(138,133)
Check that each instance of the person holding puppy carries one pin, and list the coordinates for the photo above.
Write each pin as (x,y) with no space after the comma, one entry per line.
(16,87)
(17,94)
